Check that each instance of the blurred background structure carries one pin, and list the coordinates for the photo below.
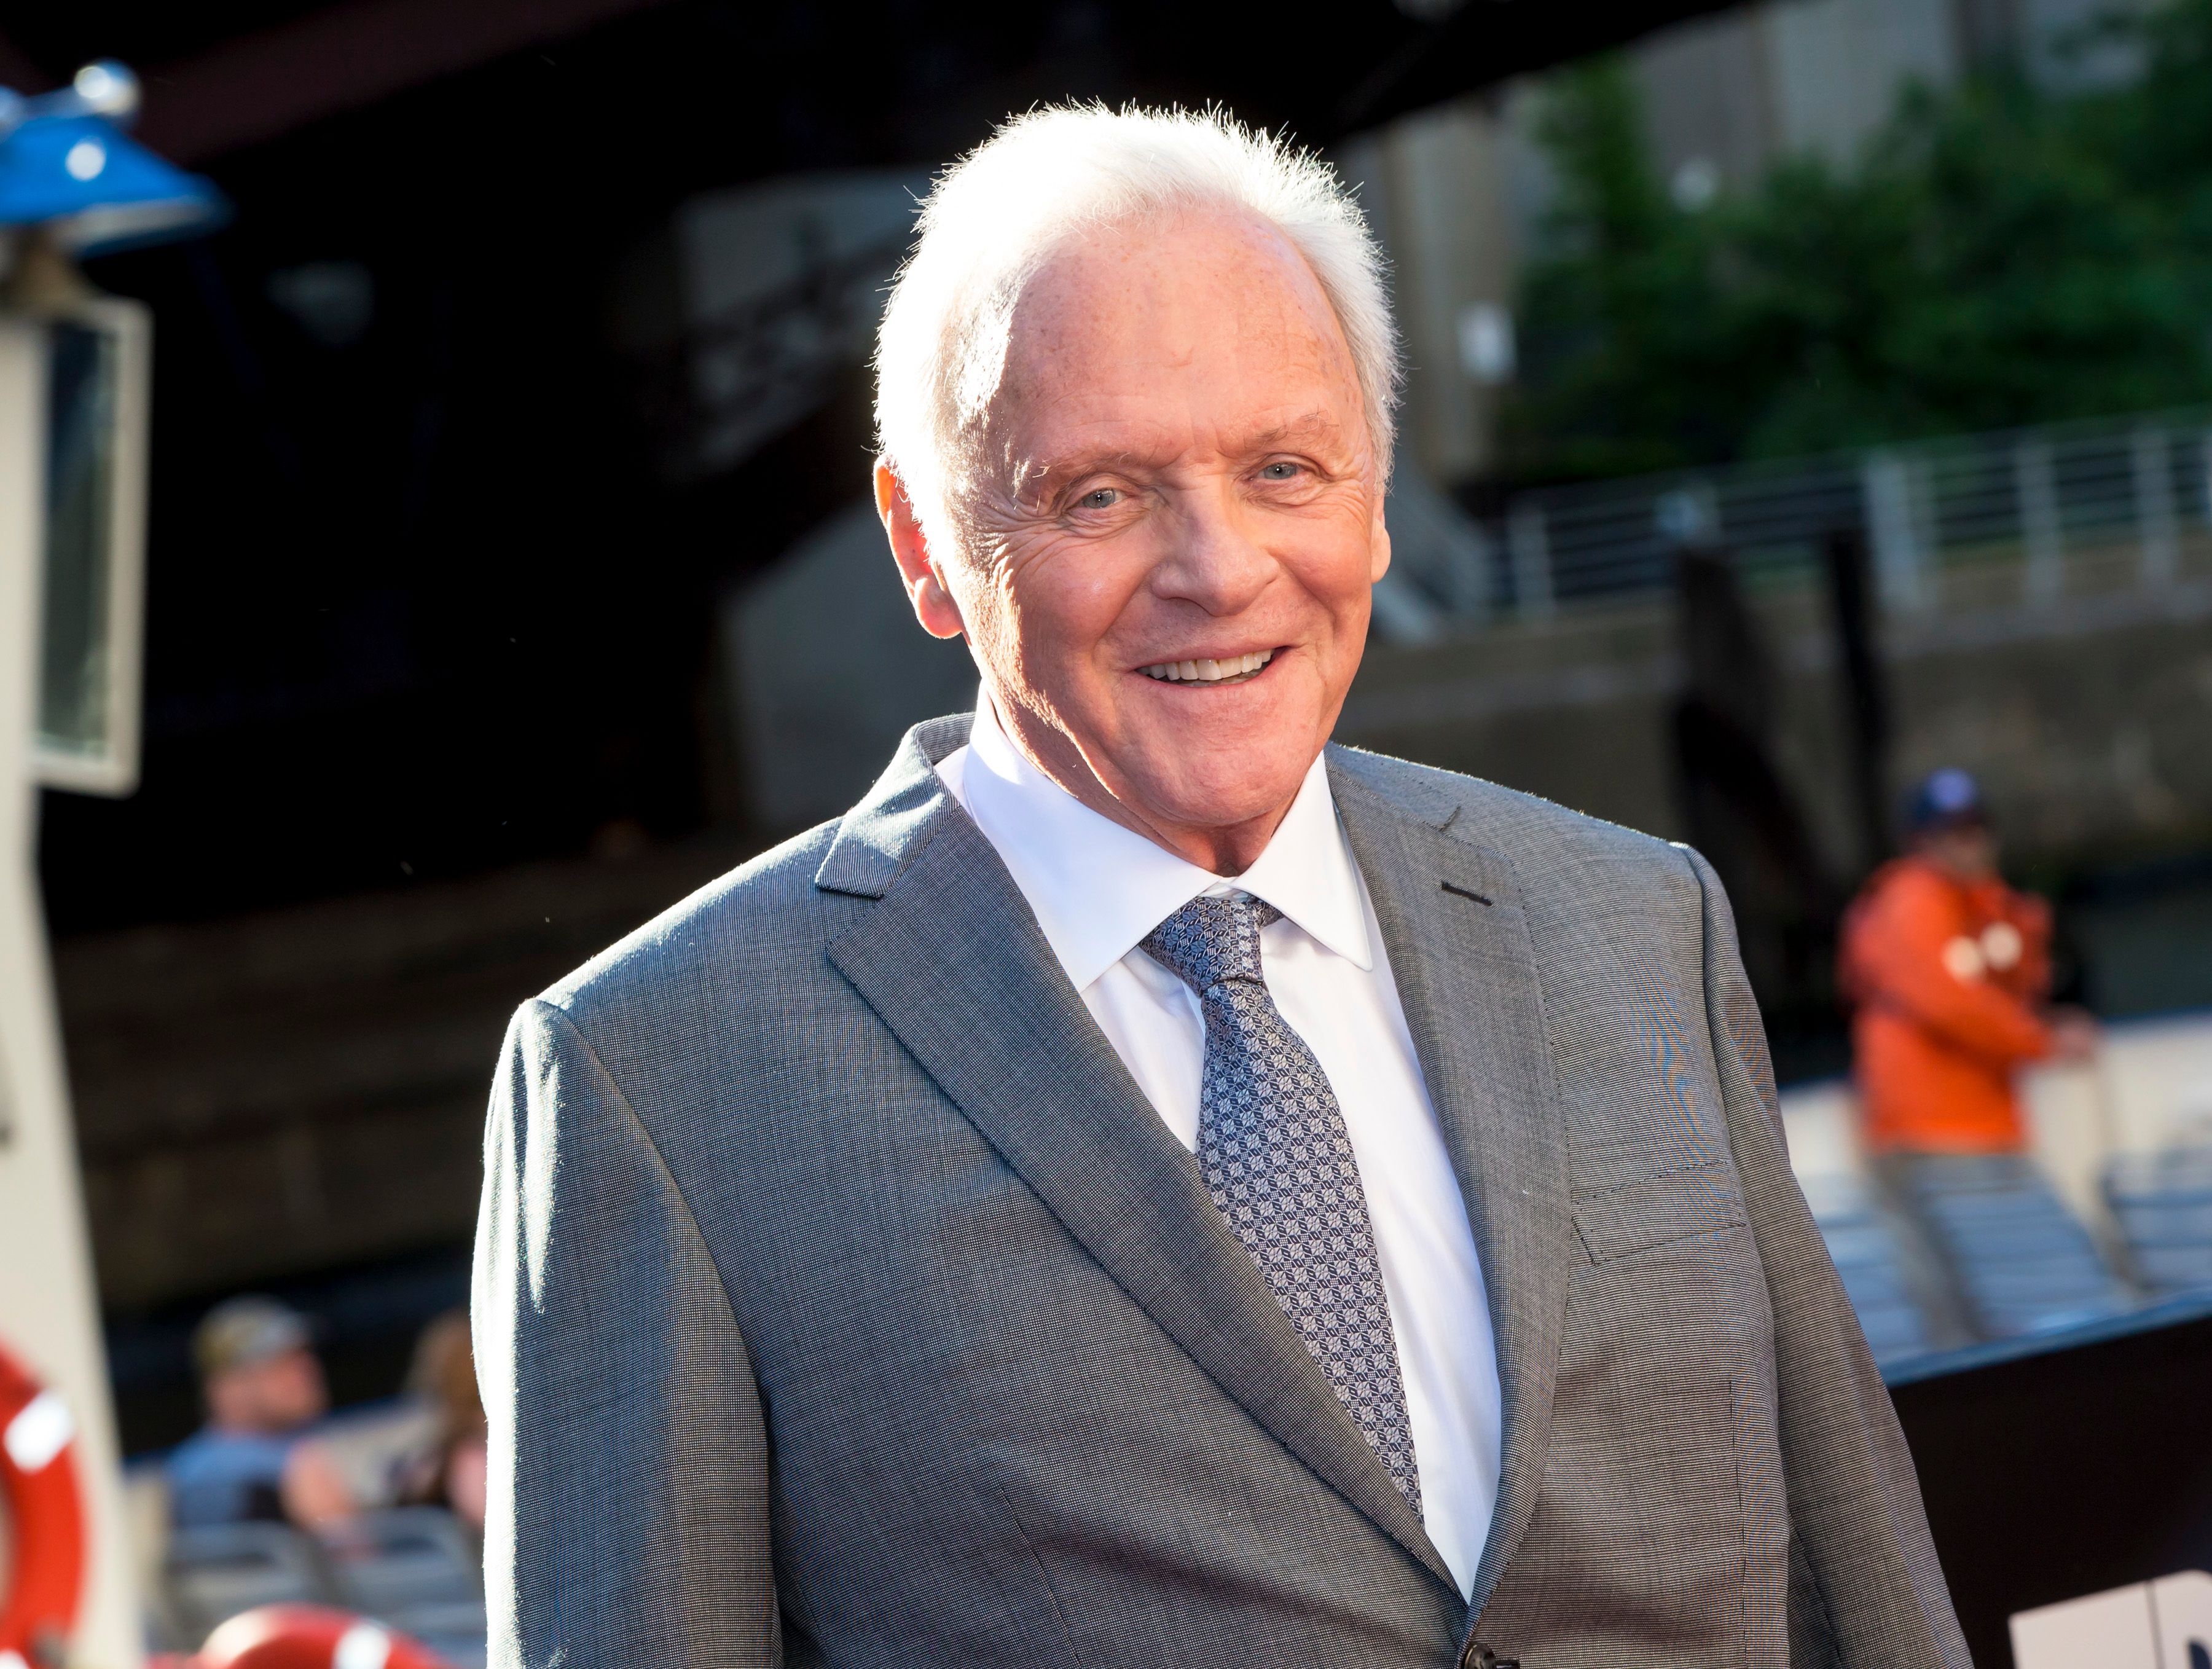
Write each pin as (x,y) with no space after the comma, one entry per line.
(1804,394)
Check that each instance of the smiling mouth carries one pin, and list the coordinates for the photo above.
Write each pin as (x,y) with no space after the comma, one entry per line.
(1235,669)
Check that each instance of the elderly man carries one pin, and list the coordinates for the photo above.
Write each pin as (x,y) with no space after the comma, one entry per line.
(1146,1187)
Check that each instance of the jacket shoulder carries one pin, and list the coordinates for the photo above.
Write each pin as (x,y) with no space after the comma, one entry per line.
(1538,837)
(764,911)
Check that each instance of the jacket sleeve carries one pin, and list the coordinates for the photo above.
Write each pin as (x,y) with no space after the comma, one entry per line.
(1865,1586)
(1899,952)
(629,1509)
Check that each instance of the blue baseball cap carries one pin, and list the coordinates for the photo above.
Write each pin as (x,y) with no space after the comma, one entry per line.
(1946,798)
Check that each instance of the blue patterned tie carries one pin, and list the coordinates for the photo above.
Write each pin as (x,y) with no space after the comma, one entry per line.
(1278,1161)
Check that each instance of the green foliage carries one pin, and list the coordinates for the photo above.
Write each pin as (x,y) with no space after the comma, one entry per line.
(1998,254)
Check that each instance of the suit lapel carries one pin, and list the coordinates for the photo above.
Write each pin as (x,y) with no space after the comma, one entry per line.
(1467,977)
(951,960)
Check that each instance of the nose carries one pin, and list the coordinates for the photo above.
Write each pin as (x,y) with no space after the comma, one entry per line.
(1213,558)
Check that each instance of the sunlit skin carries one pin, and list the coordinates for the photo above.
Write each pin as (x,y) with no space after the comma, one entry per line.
(1177,467)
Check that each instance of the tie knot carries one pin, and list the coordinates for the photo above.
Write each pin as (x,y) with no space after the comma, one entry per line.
(1212,939)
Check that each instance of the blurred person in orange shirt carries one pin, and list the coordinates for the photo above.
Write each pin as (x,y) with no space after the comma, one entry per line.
(1948,972)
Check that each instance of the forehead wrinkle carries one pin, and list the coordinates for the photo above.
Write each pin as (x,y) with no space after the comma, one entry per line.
(1301,336)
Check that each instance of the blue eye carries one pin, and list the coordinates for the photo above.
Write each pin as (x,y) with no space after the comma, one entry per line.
(1103,498)
(1279,471)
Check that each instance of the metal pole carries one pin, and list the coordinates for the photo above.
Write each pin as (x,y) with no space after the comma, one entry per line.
(1866,706)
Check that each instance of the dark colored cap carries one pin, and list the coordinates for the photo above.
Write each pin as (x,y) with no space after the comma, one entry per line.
(1948,797)
(241,1331)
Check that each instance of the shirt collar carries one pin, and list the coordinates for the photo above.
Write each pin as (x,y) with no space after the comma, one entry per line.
(1097,888)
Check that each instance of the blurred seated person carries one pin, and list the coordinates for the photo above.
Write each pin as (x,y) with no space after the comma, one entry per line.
(263,1388)
(449,1471)
(1948,972)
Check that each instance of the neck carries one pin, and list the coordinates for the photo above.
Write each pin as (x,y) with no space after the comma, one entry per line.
(1226,848)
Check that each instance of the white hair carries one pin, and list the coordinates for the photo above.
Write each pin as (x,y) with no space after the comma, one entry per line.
(995,217)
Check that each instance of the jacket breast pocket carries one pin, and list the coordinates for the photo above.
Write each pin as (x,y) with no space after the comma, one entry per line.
(1671,1206)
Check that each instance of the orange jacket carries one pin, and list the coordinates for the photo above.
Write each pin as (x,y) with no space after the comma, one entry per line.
(1945,975)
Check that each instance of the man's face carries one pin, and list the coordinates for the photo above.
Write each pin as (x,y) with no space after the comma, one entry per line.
(1967,850)
(1171,553)
(277,1395)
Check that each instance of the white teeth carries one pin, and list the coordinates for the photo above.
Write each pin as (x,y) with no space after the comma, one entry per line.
(1208,672)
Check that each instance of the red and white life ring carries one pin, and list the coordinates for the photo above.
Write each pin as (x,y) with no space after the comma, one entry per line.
(309,1637)
(44,1578)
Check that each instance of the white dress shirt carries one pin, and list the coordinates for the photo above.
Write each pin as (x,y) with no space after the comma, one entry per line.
(1098,889)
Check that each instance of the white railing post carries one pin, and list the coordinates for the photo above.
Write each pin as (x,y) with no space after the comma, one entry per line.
(2042,537)
(1887,483)
(1529,545)
(1471,560)
(2156,523)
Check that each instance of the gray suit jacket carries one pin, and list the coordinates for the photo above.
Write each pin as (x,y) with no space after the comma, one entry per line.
(840,1299)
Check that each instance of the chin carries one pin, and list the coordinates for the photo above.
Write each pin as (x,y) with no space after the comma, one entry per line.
(1220,762)
(1227,798)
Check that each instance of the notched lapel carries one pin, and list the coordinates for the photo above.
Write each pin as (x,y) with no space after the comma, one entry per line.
(1459,951)
(952,960)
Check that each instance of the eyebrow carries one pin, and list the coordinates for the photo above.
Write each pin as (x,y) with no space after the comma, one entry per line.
(1308,427)
(1313,425)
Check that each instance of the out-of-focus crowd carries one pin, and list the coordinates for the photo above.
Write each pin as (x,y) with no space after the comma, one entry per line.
(268,1450)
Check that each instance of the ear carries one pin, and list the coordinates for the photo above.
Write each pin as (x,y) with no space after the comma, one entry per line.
(924,581)
(1378,542)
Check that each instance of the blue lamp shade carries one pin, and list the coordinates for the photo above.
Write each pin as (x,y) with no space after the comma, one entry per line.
(96,189)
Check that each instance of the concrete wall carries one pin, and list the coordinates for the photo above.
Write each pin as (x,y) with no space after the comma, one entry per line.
(828,669)
(2090,725)
(1836,66)
(1439,189)
(262,1096)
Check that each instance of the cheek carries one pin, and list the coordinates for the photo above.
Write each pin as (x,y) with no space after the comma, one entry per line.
(1337,572)
(1071,596)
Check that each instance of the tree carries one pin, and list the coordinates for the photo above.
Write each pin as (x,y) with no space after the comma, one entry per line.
(1998,254)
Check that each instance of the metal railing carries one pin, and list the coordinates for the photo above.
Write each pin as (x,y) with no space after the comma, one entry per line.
(2033,515)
